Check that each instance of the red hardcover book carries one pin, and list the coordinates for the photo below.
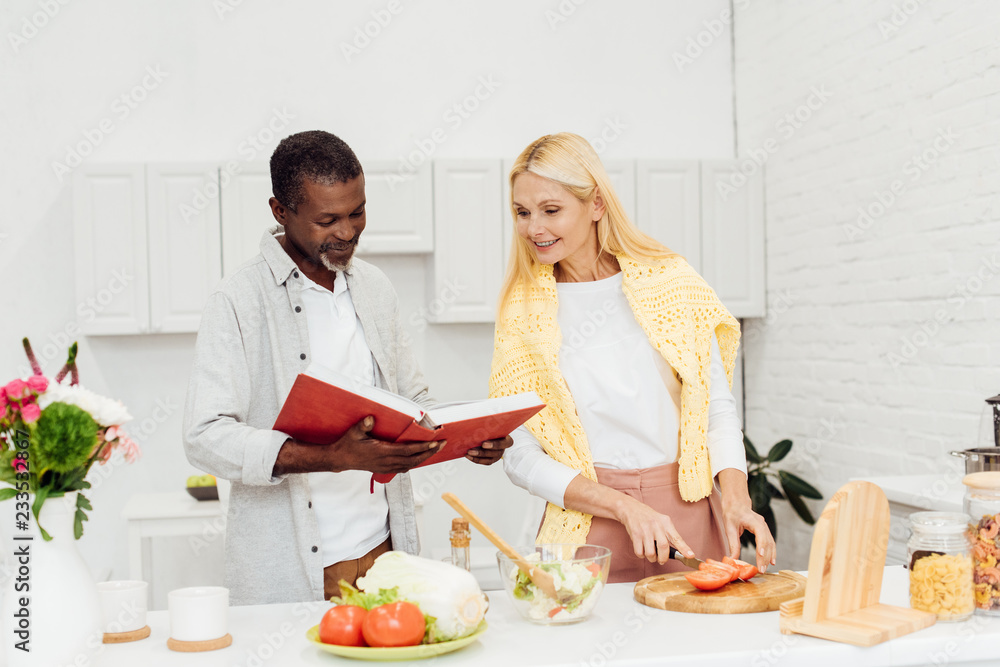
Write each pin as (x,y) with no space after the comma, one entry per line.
(323,405)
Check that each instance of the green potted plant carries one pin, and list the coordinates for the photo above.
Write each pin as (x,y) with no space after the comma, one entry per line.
(763,490)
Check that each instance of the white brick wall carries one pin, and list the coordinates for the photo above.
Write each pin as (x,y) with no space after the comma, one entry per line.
(883,336)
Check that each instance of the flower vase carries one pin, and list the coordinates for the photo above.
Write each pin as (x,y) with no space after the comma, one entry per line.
(64,609)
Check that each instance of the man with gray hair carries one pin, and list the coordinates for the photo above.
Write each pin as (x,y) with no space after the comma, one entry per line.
(301,516)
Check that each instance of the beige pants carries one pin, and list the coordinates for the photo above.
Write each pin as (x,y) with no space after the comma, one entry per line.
(351,570)
(700,524)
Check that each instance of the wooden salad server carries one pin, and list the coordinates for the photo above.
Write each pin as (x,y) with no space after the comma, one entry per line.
(539,577)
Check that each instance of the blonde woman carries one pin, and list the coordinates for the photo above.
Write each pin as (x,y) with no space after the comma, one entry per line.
(640,445)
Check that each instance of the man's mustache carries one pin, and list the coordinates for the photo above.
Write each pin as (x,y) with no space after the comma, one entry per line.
(341,245)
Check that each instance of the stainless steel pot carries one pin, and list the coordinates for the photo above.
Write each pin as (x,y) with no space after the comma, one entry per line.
(980,459)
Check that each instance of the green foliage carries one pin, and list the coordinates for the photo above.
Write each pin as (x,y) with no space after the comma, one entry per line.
(763,491)
(56,452)
(349,595)
(63,438)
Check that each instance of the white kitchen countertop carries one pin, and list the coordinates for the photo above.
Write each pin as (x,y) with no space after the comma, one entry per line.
(620,632)
(941,492)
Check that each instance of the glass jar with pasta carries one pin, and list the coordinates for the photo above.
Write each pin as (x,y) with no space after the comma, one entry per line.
(982,503)
(940,562)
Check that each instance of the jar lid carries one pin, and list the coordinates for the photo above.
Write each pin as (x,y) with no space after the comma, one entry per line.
(983,480)
(940,522)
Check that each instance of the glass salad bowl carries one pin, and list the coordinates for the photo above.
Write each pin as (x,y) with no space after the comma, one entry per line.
(579,572)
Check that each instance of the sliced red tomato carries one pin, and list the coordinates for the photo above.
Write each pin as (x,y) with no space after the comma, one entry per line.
(342,625)
(747,570)
(708,579)
(731,571)
(555,610)
(394,624)
(594,568)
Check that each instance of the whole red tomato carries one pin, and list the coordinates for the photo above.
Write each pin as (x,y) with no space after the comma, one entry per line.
(342,625)
(394,624)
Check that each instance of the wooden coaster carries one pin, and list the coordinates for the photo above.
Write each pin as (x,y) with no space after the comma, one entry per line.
(197,647)
(123,637)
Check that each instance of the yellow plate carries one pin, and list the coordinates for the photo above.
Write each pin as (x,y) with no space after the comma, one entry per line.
(397,652)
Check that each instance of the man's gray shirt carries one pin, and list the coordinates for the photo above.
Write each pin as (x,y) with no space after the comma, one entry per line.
(252,343)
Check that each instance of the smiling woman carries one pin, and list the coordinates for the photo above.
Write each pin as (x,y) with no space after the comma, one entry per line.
(640,421)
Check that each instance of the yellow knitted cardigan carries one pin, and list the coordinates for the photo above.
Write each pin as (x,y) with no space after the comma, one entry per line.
(678,312)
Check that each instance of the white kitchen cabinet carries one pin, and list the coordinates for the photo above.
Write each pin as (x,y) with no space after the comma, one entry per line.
(400,209)
(147,248)
(185,261)
(507,226)
(245,212)
(732,224)
(622,175)
(466,271)
(109,237)
(668,205)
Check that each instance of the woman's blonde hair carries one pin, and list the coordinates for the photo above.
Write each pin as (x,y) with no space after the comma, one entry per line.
(569,160)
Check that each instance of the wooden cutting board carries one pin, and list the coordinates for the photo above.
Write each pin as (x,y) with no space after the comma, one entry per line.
(765,592)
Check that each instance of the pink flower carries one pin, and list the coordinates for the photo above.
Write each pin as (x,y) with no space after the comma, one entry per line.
(30,413)
(3,401)
(132,452)
(38,383)
(106,449)
(111,433)
(16,389)
(19,465)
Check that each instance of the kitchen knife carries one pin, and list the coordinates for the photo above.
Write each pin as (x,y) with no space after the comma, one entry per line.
(692,563)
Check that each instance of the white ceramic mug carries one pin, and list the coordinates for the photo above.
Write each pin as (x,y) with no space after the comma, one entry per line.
(123,605)
(199,613)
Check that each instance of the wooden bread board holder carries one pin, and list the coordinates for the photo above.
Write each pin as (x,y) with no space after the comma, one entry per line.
(846,563)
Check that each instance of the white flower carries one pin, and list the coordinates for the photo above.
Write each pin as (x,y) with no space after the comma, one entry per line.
(105,411)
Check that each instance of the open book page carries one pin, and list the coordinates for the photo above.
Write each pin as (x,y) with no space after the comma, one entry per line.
(372,393)
(444,413)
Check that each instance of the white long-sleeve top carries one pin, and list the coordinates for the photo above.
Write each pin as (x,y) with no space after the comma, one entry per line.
(632,419)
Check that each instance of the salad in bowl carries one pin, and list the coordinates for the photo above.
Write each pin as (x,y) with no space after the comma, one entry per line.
(579,572)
